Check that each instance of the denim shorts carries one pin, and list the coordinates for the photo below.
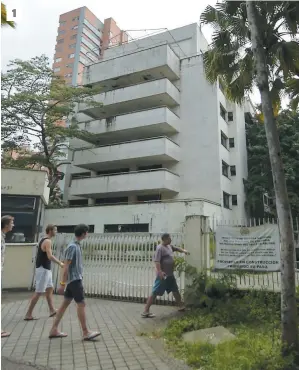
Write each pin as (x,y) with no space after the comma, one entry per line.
(166,285)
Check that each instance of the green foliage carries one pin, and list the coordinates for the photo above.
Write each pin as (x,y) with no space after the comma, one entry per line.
(230,56)
(259,168)
(36,104)
(254,317)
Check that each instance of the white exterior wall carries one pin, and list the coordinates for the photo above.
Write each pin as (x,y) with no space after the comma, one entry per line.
(197,131)
(161,217)
(25,182)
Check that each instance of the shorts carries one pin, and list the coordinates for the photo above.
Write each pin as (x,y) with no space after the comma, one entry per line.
(166,285)
(75,291)
(43,279)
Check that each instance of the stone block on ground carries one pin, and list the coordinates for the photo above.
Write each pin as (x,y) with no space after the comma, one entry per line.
(215,335)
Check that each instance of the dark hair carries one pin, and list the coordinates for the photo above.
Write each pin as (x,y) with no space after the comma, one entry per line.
(165,236)
(50,227)
(81,229)
(5,221)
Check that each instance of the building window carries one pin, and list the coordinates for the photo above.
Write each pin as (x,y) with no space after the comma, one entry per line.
(225,167)
(230,116)
(70,65)
(226,200)
(222,112)
(57,69)
(71,56)
(148,168)
(72,46)
(231,142)
(234,200)
(60,41)
(75,27)
(75,19)
(233,171)
(68,75)
(149,198)
(61,32)
(57,60)
(69,229)
(58,49)
(128,228)
(74,37)
(224,139)
(61,23)
(108,201)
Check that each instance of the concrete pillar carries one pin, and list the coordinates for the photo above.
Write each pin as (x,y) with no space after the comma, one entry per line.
(92,201)
(197,241)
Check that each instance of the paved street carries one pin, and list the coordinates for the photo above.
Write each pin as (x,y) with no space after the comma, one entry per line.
(120,347)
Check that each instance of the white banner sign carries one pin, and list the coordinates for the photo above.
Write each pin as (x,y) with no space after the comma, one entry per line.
(248,248)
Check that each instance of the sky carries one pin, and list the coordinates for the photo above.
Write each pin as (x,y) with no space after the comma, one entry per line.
(37,21)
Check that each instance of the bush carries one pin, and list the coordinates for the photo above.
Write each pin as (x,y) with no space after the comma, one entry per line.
(254,317)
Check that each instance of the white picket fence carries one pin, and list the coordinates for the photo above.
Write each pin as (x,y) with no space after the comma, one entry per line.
(118,265)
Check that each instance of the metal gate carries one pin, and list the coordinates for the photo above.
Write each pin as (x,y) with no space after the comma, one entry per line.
(118,266)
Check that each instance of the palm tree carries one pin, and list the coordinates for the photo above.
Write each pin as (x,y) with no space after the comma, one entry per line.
(4,21)
(254,44)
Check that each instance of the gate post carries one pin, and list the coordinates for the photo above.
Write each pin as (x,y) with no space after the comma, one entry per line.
(197,241)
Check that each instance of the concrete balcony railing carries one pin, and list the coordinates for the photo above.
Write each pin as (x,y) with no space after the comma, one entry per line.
(134,126)
(142,152)
(134,68)
(133,98)
(154,181)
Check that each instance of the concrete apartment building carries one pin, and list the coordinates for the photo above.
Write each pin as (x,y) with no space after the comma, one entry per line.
(169,143)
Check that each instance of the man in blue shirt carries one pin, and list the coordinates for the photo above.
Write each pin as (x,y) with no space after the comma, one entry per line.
(71,286)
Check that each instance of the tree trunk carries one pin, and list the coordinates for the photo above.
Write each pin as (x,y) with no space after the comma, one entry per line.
(288,284)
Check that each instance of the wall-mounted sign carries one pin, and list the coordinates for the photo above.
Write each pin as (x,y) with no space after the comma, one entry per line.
(253,248)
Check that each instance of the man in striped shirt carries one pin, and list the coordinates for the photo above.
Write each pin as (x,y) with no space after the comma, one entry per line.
(72,287)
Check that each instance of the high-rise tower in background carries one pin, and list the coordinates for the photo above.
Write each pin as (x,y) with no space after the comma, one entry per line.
(82,39)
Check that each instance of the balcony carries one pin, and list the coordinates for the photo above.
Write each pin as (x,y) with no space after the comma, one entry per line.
(134,126)
(132,69)
(149,182)
(133,98)
(142,152)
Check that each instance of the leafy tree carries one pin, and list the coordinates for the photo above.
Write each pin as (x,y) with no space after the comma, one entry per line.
(4,21)
(260,179)
(254,44)
(36,104)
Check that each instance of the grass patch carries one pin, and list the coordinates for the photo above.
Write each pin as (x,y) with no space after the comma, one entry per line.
(253,317)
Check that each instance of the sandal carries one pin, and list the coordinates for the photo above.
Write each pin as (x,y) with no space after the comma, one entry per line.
(31,318)
(147,315)
(92,335)
(58,335)
(5,334)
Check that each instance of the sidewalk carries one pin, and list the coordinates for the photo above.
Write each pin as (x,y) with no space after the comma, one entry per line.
(118,348)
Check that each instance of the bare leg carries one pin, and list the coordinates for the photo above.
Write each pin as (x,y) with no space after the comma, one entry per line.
(149,303)
(49,297)
(32,304)
(59,315)
(82,317)
(178,300)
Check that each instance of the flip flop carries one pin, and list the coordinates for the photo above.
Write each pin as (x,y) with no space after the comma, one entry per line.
(148,315)
(92,336)
(58,335)
(53,314)
(5,334)
(31,318)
